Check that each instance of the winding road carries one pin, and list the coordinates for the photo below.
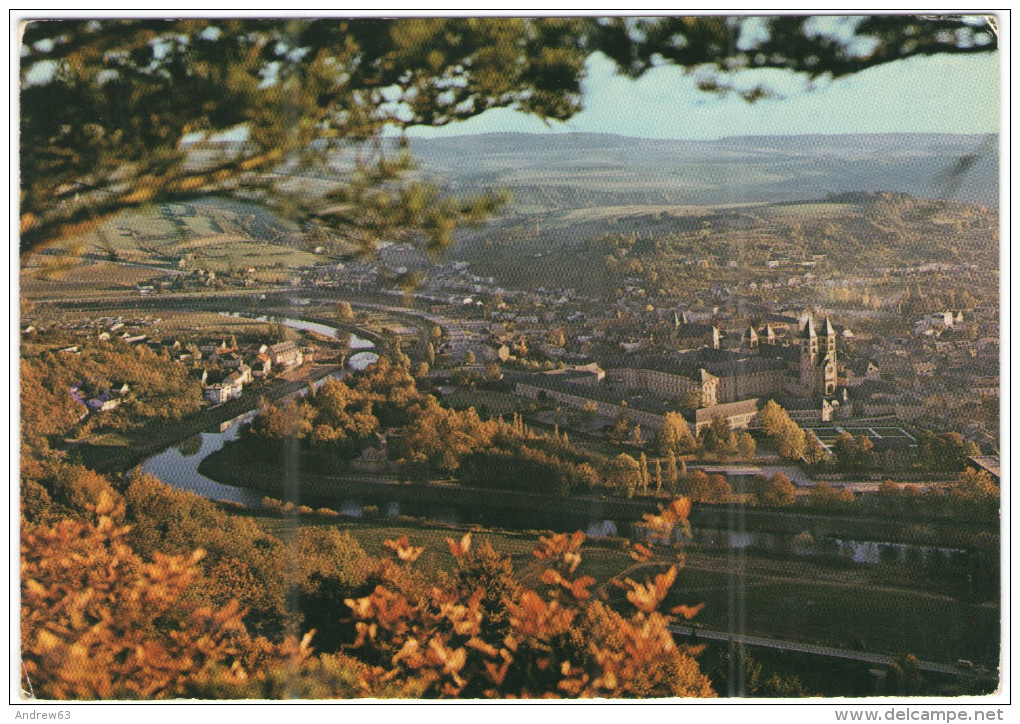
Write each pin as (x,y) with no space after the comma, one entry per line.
(816,650)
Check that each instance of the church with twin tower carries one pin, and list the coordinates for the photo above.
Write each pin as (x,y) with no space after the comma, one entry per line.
(817,360)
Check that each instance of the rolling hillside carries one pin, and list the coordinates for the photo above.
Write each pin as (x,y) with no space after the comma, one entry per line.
(562,171)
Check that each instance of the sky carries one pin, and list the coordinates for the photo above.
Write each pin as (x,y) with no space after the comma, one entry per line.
(941,94)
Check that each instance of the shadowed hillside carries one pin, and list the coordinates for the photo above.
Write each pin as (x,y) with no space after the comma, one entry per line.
(558,171)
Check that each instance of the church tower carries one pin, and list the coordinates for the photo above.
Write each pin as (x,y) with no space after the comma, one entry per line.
(828,362)
(818,359)
(830,338)
(809,358)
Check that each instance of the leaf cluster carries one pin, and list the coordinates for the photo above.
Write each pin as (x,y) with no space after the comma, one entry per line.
(483,635)
(100,622)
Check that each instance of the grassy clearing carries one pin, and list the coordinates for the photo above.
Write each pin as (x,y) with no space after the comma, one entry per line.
(809,210)
(272,276)
(223,253)
(110,439)
(891,620)
(601,559)
(218,238)
(497,403)
(199,225)
(212,324)
(604,213)
(788,599)
(174,322)
(83,278)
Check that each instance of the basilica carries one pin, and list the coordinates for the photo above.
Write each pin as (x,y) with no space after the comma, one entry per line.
(796,367)
(794,364)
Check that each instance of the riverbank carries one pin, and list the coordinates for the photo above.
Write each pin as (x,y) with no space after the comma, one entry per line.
(137,445)
(232,465)
(808,601)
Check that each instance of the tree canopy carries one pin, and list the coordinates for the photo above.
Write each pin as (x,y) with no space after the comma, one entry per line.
(117,113)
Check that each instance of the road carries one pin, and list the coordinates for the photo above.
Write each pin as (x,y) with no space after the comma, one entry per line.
(457,337)
(816,650)
(795,474)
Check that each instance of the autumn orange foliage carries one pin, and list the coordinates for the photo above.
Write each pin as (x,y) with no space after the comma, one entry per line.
(98,621)
(557,640)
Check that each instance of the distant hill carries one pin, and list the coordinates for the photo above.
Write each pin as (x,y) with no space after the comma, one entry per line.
(555,172)
(685,248)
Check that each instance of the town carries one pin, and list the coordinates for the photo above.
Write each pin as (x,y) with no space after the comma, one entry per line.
(725,398)
(850,364)
(434,357)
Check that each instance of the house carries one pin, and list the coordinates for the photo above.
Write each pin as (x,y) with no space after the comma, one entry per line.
(375,457)
(738,415)
(108,399)
(860,371)
(231,360)
(184,355)
(104,403)
(494,350)
(551,351)
(261,366)
(214,347)
(224,389)
(989,463)
(285,354)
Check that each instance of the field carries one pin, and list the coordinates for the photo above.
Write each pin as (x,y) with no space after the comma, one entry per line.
(810,211)
(804,604)
(612,213)
(827,435)
(496,403)
(173,322)
(855,608)
(84,278)
(213,235)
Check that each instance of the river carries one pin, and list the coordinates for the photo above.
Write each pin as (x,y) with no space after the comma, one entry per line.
(177,466)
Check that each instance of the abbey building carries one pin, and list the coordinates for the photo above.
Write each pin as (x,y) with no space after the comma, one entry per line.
(796,365)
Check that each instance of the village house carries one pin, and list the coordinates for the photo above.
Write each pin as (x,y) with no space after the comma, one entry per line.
(261,366)
(285,354)
(374,458)
(223,388)
(494,350)
(108,399)
(860,371)
(214,347)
